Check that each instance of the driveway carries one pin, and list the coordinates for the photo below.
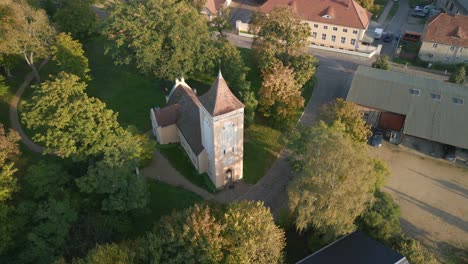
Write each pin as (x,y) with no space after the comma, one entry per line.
(433,197)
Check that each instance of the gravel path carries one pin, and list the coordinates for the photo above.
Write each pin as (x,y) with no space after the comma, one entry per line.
(14,118)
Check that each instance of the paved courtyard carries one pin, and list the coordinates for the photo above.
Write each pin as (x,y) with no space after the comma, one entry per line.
(432,194)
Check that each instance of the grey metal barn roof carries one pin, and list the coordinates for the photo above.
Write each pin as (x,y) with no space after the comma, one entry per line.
(355,248)
(427,116)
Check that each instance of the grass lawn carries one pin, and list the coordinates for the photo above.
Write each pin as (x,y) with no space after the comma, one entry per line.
(379,6)
(393,10)
(164,199)
(123,88)
(176,155)
(261,147)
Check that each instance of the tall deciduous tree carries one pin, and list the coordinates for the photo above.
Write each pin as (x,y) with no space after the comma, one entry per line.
(335,183)
(381,63)
(282,36)
(3,86)
(235,234)
(348,114)
(69,56)
(167,38)
(77,18)
(458,76)
(280,95)
(25,30)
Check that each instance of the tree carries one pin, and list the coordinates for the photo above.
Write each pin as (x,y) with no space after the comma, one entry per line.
(46,180)
(108,254)
(167,38)
(51,224)
(458,76)
(414,252)
(334,184)
(367,4)
(198,4)
(76,18)
(69,56)
(75,125)
(282,36)
(235,234)
(25,31)
(348,114)
(3,86)
(252,234)
(123,190)
(381,220)
(221,22)
(381,63)
(7,62)
(280,96)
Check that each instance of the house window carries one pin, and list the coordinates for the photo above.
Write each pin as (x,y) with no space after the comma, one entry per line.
(314,35)
(353,41)
(325,27)
(461,49)
(430,55)
(452,48)
(333,38)
(416,92)
(457,101)
(315,26)
(343,40)
(345,30)
(335,29)
(324,36)
(354,31)
(436,97)
(434,45)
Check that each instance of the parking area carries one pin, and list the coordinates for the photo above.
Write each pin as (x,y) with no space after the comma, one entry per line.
(433,197)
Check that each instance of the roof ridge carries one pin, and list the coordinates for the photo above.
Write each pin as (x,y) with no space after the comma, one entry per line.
(353,3)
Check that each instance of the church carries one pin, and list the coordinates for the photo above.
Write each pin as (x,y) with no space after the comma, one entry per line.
(210,129)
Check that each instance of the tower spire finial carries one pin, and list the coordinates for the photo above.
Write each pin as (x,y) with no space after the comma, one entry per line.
(219,73)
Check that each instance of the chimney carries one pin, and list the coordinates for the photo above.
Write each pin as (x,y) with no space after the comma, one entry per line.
(177,81)
(182,80)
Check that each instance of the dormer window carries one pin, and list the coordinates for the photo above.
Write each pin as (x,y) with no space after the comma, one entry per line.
(327,16)
(415,92)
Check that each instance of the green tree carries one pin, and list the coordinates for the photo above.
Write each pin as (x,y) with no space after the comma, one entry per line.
(221,22)
(46,180)
(77,18)
(282,36)
(458,76)
(252,234)
(7,62)
(51,224)
(167,38)
(122,189)
(381,63)
(190,236)
(234,234)
(334,184)
(69,56)
(3,86)
(108,254)
(348,114)
(381,220)
(25,31)
(367,4)
(414,252)
(280,96)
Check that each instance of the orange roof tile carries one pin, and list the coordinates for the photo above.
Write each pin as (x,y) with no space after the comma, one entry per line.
(346,13)
(446,29)
(219,99)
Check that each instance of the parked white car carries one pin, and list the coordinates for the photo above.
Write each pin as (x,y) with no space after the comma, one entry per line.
(418,9)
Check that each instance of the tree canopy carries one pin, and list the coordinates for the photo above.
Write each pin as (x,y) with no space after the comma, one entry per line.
(280,95)
(334,184)
(76,17)
(349,115)
(26,31)
(458,76)
(69,56)
(381,63)
(167,38)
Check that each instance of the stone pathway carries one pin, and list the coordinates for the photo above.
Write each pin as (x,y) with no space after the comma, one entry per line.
(14,118)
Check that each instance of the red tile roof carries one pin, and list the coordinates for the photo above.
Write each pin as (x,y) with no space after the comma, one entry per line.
(346,13)
(446,29)
(214,5)
(168,115)
(219,99)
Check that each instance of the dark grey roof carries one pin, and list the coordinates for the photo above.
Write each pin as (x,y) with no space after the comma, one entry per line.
(355,248)
(188,118)
(219,99)
(429,105)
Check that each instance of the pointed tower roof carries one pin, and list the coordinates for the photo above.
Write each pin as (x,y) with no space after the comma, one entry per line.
(219,99)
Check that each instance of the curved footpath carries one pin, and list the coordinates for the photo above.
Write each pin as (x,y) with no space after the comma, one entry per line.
(14,118)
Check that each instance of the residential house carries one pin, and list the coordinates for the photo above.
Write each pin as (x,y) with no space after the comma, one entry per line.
(339,24)
(417,106)
(454,7)
(210,129)
(355,248)
(445,39)
(212,7)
